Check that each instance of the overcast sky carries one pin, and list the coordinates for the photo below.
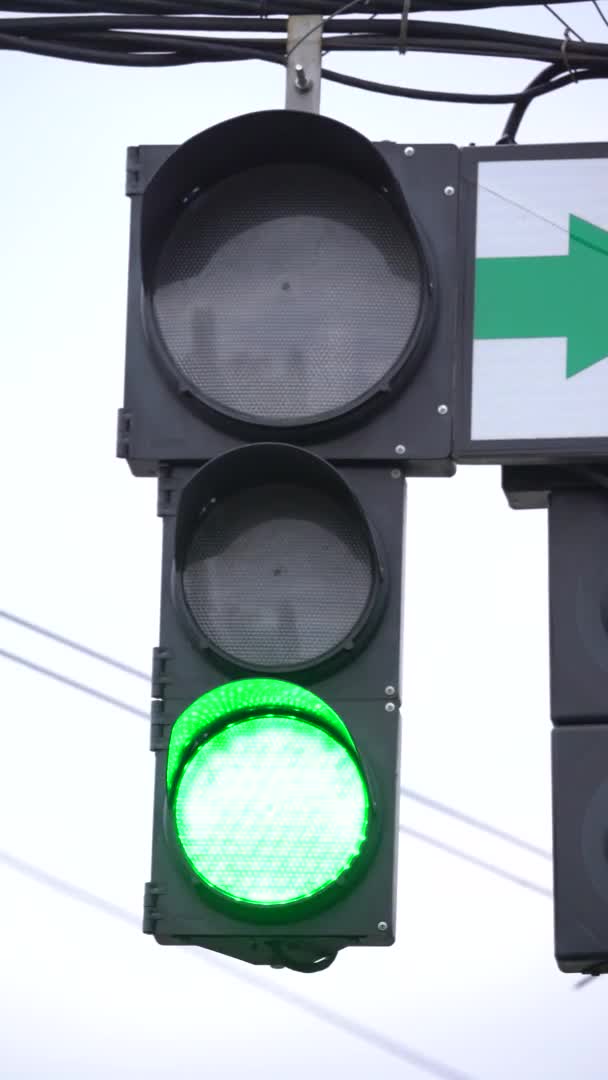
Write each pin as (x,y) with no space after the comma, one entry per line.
(472,981)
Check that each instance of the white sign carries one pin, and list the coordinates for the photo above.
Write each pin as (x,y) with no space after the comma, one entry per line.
(540,353)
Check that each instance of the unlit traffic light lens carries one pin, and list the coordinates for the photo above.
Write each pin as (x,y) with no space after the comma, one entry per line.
(278,575)
(288,293)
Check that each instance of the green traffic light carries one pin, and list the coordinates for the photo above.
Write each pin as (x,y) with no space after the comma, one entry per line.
(271,809)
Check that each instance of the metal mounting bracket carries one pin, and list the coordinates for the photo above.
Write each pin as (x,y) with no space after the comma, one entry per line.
(303,86)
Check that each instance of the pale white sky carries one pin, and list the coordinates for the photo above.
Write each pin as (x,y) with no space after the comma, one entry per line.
(472,981)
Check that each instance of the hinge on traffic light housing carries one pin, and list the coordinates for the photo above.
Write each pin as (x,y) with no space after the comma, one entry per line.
(133,183)
(158,735)
(151,912)
(160,677)
(167,486)
(123,433)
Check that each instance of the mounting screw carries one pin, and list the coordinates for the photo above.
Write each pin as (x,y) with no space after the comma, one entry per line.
(382,925)
(400,448)
(449,190)
(301,81)
(390,706)
(389,691)
(409,151)
(396,474)
(442,410)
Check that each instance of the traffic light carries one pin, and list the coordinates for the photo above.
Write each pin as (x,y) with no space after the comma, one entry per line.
(578,542)
(289,361)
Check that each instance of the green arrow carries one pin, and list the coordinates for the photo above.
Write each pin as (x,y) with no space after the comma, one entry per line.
(550,296)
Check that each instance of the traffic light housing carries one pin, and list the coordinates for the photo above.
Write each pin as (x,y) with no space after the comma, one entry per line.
(280,575)
(290,340)
(290,281)
(578,568)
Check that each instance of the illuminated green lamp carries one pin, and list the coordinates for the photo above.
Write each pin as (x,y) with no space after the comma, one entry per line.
(269,801)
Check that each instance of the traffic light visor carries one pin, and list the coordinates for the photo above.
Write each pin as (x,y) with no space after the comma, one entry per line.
(270,804)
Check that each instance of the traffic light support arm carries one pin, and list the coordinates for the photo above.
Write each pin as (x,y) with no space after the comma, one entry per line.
(303,85)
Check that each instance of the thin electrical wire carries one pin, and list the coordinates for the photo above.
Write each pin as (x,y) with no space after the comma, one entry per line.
(323,24)
(416,796)
(547,221)
(564,23)
(481,864)
(71,644)
(600,12)
(374,1038)
(85,689)
(73,684)
(476,823)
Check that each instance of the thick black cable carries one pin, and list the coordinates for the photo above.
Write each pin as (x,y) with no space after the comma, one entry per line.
(476,823)
(517,113)
(97,56)
(466,99)
(423,35)
(329,1016)
(196,50)
(275,7)
(72,39)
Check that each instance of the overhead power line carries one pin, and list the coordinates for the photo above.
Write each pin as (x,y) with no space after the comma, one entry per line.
(86,689)
(600,12)
(71,644)
(373,1038)
(149,34)
(73,684)
(481,864)
(476,823)
(416,796)
(563,22)
(245,8)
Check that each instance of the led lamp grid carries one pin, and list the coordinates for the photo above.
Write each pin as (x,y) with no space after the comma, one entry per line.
(271,809)
(287,293)
(278,575)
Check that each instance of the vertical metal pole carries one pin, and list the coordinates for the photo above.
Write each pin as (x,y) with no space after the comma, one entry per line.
(303,89)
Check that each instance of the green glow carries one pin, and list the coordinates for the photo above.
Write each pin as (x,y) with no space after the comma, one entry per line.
(242,696)
(271,809)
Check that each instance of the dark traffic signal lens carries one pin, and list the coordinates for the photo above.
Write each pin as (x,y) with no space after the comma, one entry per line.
(278,575)
(277,567)
(287,293)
